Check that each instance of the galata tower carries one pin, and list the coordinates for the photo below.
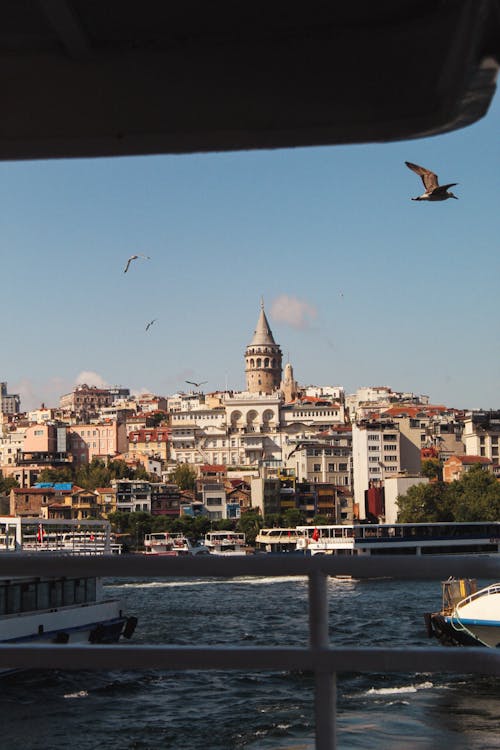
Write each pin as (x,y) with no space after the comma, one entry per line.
(263,359)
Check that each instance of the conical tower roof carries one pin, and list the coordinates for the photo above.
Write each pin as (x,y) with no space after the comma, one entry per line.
(262,334)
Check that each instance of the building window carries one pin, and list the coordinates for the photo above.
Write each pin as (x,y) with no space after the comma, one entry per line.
(317,467)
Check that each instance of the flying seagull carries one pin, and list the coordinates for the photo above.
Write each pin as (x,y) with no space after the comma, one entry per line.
(134,257)
(151,323)
(433,190)
(191,382)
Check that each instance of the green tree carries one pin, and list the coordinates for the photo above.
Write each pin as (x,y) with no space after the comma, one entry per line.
(184,477)
(475,497)
(250,523)
(293,517)
(272,521)
(6,484)
(63,474)
(424,503)
(432,469)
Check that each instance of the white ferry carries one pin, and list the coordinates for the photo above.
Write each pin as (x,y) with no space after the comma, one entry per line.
(61,609)
(277,540)
(166,543)
(400,539)
(225,543)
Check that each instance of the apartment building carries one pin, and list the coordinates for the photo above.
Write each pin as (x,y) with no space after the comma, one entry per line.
(10,403)
(481,434)
(376,454)
(104,440)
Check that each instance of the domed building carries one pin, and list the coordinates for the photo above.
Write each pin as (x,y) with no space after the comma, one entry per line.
(263,359)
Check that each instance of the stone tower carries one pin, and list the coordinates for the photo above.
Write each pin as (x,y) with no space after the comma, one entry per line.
(289,385)
(263,359)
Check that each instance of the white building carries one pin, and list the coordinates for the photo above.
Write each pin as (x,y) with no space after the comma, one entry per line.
(395,486)
(376,455)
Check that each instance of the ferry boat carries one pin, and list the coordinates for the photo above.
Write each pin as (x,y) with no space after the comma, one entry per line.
(468,617)
(276,540)
(400,539)
(166,543)
(57,609)
(226,543)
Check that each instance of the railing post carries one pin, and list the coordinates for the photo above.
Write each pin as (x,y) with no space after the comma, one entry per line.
(325,698)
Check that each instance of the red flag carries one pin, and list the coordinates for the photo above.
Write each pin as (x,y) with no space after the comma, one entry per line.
(315,535)
(40,533)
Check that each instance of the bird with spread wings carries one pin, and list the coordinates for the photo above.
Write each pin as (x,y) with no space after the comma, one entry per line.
(197,385)
(433,190)
(151,323)
(134,257)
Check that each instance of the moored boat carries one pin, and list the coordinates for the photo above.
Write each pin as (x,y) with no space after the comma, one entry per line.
(57,609)
(468,617)
(226,543)
(400,539)
(166,543)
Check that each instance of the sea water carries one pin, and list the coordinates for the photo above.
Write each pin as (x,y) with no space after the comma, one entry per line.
(218,710)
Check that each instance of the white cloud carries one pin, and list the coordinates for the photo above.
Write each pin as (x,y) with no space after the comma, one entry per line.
(88,377)
(295,312)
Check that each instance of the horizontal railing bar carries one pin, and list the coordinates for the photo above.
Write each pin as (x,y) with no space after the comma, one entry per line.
(181,658)
(391,566)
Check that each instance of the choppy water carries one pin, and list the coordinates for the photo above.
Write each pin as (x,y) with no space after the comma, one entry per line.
(149,710)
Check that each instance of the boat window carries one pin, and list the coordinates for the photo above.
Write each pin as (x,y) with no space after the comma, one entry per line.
(28,596)
(68,592)
(80,590)
(56,593)
(13,599)
(91,589)
(43,596)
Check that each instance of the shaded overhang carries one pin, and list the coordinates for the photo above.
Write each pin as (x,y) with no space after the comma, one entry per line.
(121,77)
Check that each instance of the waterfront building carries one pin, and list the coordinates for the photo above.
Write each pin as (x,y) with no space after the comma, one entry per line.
(132,495)
(106,500)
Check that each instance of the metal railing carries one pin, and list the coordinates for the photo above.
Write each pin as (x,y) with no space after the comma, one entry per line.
(318,657)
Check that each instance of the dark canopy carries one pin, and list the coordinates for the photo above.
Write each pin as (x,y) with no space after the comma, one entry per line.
(106,77)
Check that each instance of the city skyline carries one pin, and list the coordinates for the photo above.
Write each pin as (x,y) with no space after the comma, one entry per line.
(361,285)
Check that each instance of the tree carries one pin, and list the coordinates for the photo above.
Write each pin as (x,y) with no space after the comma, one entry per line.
(184,477)
(475,497)
(432,469)
(6,484)
(293,517)
(250,523)
(424,503)
(63,474)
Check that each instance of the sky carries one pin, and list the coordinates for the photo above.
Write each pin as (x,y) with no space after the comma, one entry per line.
(361,285)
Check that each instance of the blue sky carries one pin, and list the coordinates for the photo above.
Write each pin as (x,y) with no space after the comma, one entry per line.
(361,285)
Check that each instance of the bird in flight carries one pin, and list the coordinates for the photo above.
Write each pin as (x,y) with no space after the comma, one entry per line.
(433,190)
(191,382)
(151,323)
(134,257)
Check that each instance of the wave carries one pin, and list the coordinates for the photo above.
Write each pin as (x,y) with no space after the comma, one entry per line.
(247,580)
(400,690)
